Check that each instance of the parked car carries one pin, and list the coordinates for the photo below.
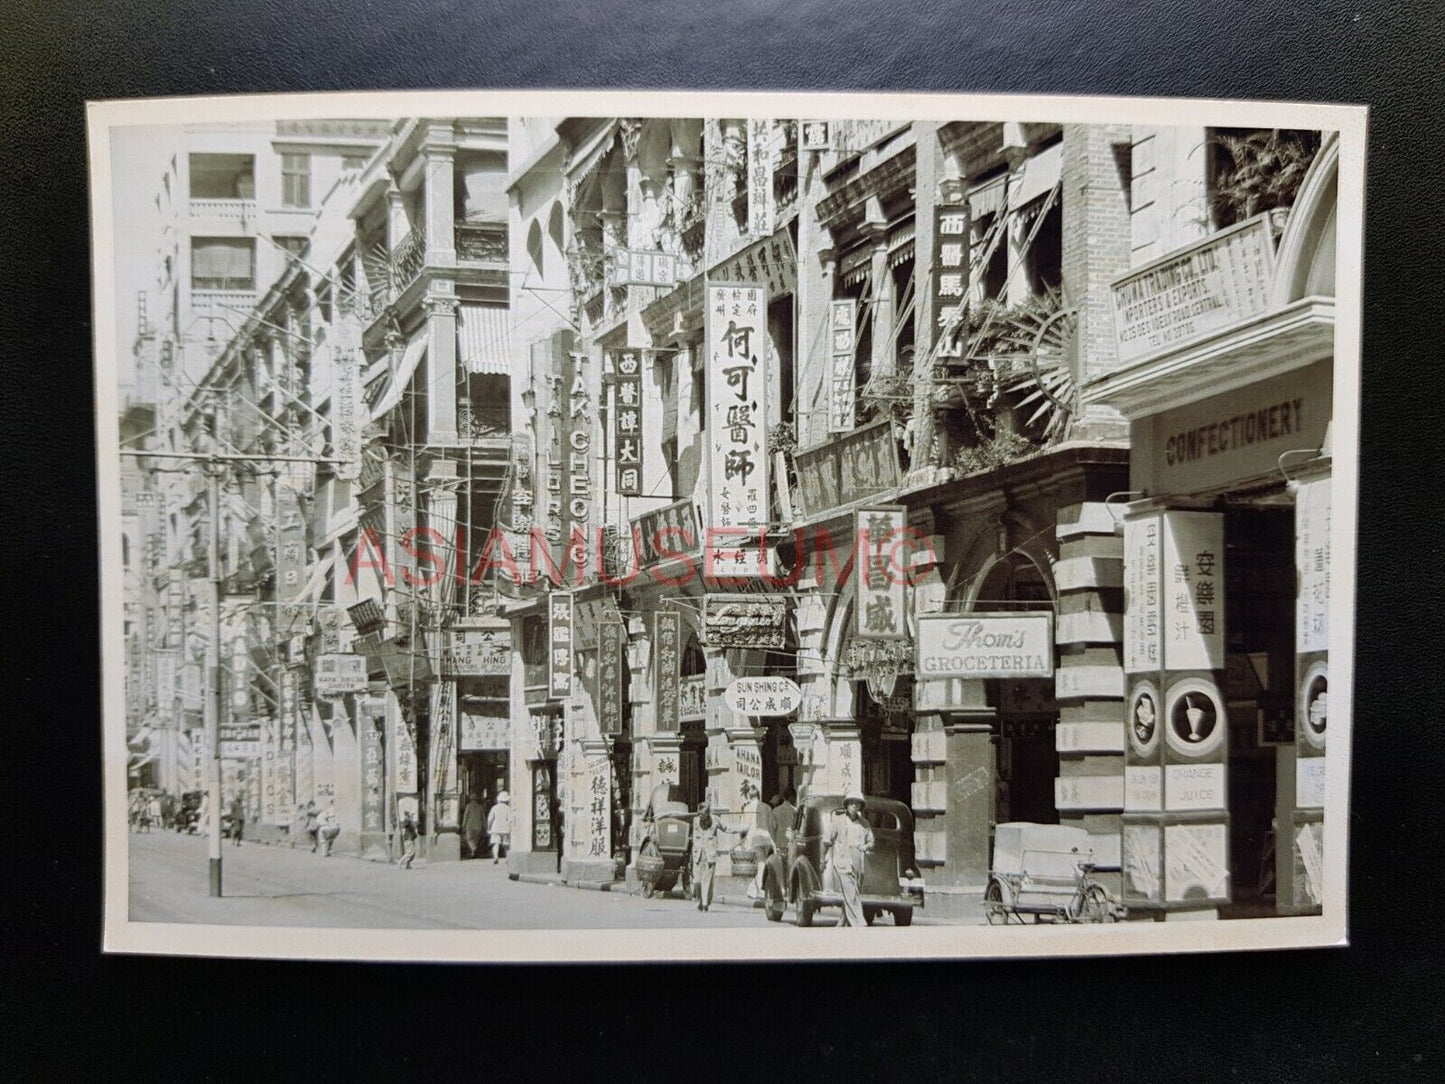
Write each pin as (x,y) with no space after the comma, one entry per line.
(891,882)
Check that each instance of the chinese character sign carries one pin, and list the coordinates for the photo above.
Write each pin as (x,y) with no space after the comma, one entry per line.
(761,206)
(1143,606)
(666,668)
(290,544)
(736,395)
(1193,591)
(371,772)
(627,423)
(816,135)
(559,645)
(842,382)
(611,664)
(345,400)
(599,808)
(1312,558)
(404,755)
(950,277)
(879,533)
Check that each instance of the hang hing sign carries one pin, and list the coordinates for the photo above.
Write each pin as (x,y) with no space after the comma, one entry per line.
(842,383)
(985,646)
(627,423)
(560,621)
(879,609)
(478,653)
(737,387)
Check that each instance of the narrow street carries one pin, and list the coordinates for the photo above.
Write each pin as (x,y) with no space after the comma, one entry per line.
(275,886)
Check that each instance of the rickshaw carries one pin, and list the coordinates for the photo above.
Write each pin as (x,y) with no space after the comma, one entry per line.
(1047,871)
(665,857)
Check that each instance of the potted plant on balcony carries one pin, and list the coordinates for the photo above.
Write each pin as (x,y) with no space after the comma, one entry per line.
(1262,171)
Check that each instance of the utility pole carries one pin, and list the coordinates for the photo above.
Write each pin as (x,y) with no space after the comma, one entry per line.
(213,680)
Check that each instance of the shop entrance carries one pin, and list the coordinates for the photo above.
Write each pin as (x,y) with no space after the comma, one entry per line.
(483,776)
(1259,689)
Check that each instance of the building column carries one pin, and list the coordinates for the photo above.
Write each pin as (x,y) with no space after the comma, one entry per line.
(440,151)
(441,509)
(875,229)
(970,779)
(441,366)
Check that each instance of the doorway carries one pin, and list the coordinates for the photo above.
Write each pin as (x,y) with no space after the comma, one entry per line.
(483,777)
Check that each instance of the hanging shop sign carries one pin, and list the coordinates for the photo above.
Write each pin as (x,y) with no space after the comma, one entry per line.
(338,674)
(290,544)
(666,669)
(1143,594)
(403,662)
(862,464)
(567,478)
(878,612)
(755,621)
(985,646)
(404,761)
(766,696)
(771,262)
(346,398)
(627,423)
(240,742)
(1312,559)
(1219,282)
(166,667)
(950,273)
(560,619)
(288,704)
(542,802)
(641,267)
(738,449)
(843,380)
(671,531)
(816,135)
(855,136)
(879,663)
(478,653)
(762,205)
(1174,592)
(483,731)
(611,665)
(692,698)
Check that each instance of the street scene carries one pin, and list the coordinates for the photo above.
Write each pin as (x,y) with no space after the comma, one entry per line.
(568,522)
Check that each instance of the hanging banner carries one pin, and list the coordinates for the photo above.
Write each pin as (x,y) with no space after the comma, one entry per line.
(738,452)
(284,770)
(559,645)
(673,530)
(627,423)
(482,731)
(1193,591)
(763,696)
(770,261)
(611,665)
(666,669)
(879,609)
(346,399)
(762,207)
(842,383)
(950,270)
(270,807)
(1143,608)
(1312,559)
(290,544)
(637,267)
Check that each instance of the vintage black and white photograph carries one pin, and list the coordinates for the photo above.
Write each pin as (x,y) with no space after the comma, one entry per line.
(734,526)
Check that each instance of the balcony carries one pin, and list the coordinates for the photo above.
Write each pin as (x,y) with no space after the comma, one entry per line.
(238,211)
(227,302)
(483,425)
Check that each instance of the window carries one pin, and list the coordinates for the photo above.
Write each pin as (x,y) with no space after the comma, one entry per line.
(223,263)
(296,180)
(223,176)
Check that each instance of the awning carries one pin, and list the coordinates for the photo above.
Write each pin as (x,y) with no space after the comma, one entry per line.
(585,158)
(415,349)
(900,243)
(987,198)
(483,345)
(1039,176)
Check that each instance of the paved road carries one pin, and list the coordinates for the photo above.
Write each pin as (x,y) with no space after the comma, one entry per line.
(276,886)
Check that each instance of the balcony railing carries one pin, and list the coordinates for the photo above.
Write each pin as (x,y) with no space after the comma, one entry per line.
(483,423)
(221,302)
(228,210)
(408,259)
(481,241)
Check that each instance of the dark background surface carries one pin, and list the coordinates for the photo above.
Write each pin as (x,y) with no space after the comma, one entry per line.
(1370,1011)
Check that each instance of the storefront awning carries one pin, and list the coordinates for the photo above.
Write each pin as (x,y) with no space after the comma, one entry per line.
(1037,177)
(483,345)
(987,198)
(415,350)
(589,155)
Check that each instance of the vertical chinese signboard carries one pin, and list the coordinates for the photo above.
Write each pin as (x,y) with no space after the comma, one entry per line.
(761,204)
(950,271)
(373,718)
(611,665)
(1312,689)
(1175,831)
(290,543)
(879,611)
(737,427)
(666,669)
(627,424)
(404,754)
(842,380)
(284,767)
(599,807)
(559,645)
(345,398)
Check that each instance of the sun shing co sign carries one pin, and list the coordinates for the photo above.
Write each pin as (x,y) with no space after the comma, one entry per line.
(763,696)
(985,646)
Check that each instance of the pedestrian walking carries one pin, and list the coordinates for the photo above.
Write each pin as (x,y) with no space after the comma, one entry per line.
(780,819)
(312,826)
(706,844)
(408,841)
(238,819)
(845,850)
(474,823)
(153,812)
(757,822)
(328,828)
(499,826)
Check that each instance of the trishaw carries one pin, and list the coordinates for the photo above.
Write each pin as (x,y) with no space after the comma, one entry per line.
(1047,871)
(665,857)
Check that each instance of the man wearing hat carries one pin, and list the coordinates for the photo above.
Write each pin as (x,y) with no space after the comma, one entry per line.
(846,847)
(499,826)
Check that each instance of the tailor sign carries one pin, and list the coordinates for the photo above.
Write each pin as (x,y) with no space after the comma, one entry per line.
(766,696)
(985,646)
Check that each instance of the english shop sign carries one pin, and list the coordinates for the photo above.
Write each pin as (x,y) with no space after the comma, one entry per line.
(985,646)
(900,556)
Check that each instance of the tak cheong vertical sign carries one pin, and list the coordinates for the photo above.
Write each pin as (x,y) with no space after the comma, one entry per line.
(560,620)
(737,386)
(627,423)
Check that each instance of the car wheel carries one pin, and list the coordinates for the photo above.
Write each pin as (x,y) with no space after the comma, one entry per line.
(903,916)
(806,909)
(1095,905)
(773,902)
